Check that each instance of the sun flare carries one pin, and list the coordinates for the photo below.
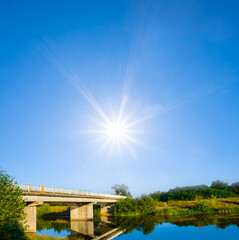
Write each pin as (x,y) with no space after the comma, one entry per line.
(116,131)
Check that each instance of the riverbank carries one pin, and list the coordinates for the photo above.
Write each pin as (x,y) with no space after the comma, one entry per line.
(147,207)
(132,207)
(48,211)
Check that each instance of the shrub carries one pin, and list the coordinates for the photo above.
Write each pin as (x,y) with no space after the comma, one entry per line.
(212,201)
(201,206)
(147,204)
(131,206)
(198,198)
(44,209)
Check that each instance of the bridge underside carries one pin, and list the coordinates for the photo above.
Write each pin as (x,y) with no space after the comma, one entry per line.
(80,208)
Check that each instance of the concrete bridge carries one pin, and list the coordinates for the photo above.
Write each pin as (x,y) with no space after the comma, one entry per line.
(80,202)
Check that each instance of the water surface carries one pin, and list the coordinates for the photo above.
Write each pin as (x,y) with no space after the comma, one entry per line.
(168,227)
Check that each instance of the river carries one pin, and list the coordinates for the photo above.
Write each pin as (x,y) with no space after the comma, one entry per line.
(129,228)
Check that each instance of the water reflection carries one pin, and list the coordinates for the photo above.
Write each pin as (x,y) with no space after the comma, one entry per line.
(148,224)
(109,228)
(103,228)
(82,227)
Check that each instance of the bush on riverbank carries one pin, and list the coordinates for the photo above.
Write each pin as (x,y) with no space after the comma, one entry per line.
(148,206)
(130,206)
(201,206)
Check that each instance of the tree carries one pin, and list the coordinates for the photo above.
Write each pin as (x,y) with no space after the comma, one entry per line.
(11,201)
(125,206)
(44,209)
(121,189)
(147,204)
(144,195)
(219,184)
(11,208)
(235,187)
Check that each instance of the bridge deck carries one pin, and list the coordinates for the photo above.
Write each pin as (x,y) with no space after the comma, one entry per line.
(40,190)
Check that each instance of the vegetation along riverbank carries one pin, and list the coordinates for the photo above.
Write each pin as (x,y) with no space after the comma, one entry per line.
(190,200)
(219,198)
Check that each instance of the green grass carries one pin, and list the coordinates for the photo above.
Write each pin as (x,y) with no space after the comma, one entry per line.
(47,211)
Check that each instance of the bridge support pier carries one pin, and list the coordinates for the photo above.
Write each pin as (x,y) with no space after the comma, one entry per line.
(106,209)
(31,216)
(82,211)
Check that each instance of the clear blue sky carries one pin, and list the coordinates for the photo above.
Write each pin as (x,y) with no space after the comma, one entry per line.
(176,62)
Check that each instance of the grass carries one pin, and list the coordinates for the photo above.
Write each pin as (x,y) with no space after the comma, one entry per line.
(214,205)
(205,206)
(54,211)
(219,203)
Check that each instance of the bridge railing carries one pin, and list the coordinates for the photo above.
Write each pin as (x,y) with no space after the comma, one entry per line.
(40,189)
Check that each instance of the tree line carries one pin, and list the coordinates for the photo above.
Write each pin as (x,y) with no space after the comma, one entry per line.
(218,188)
(147,204)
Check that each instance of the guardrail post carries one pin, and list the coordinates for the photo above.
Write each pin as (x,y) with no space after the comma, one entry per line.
(29,188)
(42,189)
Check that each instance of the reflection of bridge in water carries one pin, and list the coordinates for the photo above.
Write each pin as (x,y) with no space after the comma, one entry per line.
(86,229)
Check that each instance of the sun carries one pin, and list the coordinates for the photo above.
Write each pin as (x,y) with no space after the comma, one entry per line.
(116,131)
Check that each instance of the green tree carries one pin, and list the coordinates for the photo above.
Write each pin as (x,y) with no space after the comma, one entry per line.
(11,208)
(125,206)
(11,201)
(121,189)
(219,184)
(147,204)
(235,187)
(44,209)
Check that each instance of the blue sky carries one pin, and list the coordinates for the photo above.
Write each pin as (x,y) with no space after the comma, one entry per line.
(176,64)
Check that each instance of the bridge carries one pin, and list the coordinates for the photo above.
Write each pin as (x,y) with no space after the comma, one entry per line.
(80,202)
